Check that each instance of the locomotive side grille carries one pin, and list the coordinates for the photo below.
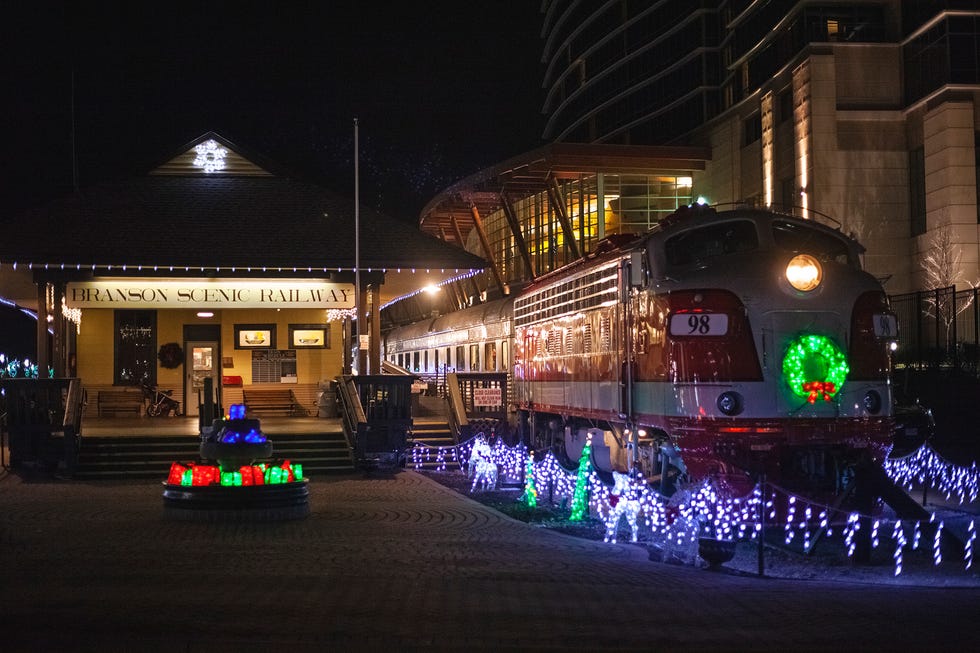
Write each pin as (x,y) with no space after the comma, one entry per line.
(585,291)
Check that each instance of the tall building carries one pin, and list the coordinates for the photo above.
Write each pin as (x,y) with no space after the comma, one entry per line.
(860,110)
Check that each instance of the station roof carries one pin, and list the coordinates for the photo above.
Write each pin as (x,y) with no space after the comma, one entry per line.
(449,214)
(237,217)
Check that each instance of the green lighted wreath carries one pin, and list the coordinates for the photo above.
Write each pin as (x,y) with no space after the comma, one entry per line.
(814,367)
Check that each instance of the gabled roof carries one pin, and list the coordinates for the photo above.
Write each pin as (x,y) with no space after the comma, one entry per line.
(212,155)
(238,217)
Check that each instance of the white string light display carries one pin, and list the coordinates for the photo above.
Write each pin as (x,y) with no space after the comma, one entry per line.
(702,512)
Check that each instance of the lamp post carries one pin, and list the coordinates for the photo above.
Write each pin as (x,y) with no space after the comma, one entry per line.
(358,299)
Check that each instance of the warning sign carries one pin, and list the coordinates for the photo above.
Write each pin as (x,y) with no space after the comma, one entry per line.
(486,397)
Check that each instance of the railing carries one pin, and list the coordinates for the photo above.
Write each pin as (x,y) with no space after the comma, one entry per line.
(938,330)
(477,402)
(377,416)
(349,405)
(43,421)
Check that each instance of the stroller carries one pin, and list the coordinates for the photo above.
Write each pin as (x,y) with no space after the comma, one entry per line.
(159,404)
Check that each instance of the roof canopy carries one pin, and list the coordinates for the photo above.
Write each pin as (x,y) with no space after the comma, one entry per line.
(213,210)
(450,214)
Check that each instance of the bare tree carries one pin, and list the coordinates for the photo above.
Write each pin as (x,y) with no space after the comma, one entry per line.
(941,266)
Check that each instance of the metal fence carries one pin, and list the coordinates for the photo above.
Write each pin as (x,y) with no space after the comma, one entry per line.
(938,329)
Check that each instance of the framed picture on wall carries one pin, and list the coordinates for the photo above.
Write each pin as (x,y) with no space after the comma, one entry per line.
(309,336)
(255,336)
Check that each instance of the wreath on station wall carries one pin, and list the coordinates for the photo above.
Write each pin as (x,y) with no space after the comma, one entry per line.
(814,367)
(171,355)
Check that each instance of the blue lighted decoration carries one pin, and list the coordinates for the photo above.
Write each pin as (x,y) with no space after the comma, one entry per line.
(736,518)
(237,411)
(255,437)
(231,437)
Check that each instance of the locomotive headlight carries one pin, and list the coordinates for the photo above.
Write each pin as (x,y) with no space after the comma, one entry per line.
(804,272)
(730,403)
(872,401)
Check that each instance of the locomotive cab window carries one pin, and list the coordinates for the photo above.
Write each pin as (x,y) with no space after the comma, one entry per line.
(697,246)
(802,239)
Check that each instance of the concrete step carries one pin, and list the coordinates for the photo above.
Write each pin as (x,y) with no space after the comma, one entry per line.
(151,456)
(435,446)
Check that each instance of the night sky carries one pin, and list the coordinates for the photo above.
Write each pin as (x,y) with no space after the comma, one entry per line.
(440,89)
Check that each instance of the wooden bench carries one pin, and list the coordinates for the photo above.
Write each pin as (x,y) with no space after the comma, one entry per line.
(271,400)
(120,401)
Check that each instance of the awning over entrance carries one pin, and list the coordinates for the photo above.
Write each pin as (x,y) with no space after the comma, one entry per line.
(450,215)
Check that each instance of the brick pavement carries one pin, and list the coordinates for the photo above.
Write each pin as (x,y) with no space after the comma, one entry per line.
(401,563)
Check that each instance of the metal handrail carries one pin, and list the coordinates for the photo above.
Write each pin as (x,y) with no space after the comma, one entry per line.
(459,423)
(351,412)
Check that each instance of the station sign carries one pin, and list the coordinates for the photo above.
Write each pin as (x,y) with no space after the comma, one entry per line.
(209,293)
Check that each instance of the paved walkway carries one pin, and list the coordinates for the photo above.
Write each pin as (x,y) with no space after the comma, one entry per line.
(401,563)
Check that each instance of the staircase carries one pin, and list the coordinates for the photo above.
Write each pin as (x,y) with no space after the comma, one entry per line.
(149,457)
(436,441)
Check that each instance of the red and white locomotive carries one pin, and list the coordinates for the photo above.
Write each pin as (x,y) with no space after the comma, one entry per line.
(724,343)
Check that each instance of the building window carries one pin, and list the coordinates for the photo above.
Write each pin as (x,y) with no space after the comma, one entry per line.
(752,129)
(785,102)
(135,348)
(917,191)
(976,168)
(788,197)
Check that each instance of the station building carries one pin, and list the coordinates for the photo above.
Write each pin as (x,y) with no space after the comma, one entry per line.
(215,264)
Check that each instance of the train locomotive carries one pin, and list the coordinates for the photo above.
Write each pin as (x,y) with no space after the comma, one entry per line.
(720,344)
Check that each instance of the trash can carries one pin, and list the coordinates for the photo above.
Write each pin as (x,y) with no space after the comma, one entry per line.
(326,400)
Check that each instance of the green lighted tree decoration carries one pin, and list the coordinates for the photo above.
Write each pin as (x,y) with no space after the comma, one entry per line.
(814,367)
(580,499)
(530,496)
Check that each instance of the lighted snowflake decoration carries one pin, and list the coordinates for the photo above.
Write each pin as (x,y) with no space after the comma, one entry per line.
(210,156)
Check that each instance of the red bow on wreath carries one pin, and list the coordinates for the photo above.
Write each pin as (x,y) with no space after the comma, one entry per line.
(817,389)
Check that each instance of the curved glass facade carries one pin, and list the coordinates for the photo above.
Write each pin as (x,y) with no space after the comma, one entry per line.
(633,73)
(613,67)
(597,206)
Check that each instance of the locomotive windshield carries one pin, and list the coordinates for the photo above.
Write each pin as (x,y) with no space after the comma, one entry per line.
(802,239)
(699,245)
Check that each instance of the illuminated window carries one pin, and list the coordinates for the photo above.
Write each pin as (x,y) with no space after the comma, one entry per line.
(833,30)
(135,348)
(490,356)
